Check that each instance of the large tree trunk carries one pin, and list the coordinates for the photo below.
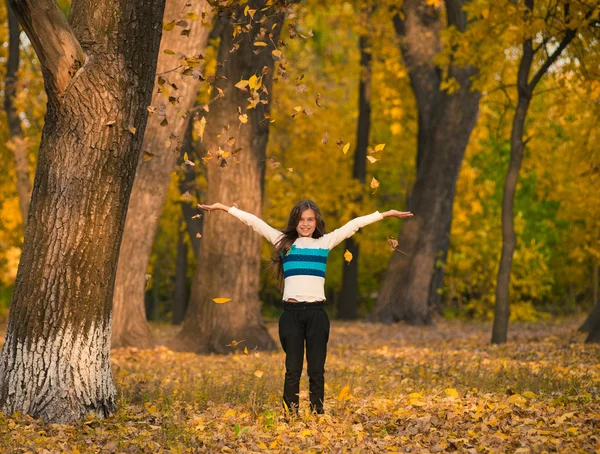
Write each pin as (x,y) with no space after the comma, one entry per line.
(55,362)
(445,123)
(595,314)
(229,261)
(348,305)
(130,327)
(525,89)
(16,142)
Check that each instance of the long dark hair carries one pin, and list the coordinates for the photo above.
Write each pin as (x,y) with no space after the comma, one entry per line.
(290,234)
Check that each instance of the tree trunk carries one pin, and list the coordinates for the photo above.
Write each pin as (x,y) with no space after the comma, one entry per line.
(55,361)
(594,316)
(229,262)
(445,122)
(180,297)
(525,89)
(16,140)
(130,327)
(348,306)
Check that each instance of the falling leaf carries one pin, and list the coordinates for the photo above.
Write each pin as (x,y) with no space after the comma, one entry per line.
(192,15)
(196,216)
(339,142)
(235,343)
(318,100)
(393,242)
(273,163)
(374,185)
(243,118)
(348,256)
(168,26)
(201,126)
(245,350)
(260,43)
(168,52)
(242,84)
(301,88)
(325,139)
(147,156)
(110,123)
(346,148)
(372,159)
(379,147)
(277,54)
(290,169)
(221,300)
(132,130)
(259,373)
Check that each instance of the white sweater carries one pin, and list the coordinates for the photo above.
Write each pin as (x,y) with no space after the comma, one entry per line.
(304,265)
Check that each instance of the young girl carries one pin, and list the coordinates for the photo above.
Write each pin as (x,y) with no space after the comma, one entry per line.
(301,252)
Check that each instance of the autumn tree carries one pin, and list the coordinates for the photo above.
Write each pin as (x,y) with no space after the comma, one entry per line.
(179,71)
(553,25)
(17,143)
(348,305)
(98,69)
(235,138)
(447,110)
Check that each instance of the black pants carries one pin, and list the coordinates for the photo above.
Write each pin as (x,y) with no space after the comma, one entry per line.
(300,323)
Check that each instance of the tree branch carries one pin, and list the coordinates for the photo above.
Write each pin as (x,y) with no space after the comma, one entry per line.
(569,35)
(56,46)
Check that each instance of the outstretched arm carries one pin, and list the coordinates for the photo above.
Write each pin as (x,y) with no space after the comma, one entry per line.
(346,231)
(259,226)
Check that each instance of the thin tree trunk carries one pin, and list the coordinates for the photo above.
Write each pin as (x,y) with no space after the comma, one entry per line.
(180,298)
(348,306)
(55,361)
(594,316)
(130,327)
(525,89)
(17,142)
(445,122)
(229,262)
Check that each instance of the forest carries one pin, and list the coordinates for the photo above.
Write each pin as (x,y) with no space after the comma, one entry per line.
(133,319)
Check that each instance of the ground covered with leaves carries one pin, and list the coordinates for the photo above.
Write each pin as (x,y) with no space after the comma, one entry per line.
(388,388)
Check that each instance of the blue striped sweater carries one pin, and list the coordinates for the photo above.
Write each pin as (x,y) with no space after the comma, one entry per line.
(305,264)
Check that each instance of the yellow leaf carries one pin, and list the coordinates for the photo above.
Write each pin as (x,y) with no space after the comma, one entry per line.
(168,26)
(346,148)
(243,118)
(132,130)
(185,157)
(379,147)
(192,15)
(259,373)
(254,82)
(529,394)
(147,156)
(348,256)
(221,300)
(260,43)
(372,159)
(169,52)
(242,84)
(415,396)
(277,54)
(200,126)
(374,184)
(306,433)
(344,393)
(245,350)
(451,392)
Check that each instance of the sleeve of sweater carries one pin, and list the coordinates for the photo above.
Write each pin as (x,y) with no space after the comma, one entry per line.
(346,231)
(259,226)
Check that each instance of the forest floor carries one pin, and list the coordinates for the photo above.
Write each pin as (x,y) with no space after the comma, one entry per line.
(388,388)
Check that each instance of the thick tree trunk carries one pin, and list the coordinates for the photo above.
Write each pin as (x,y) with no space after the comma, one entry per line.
(348,306)
(445,123)
(16,142)
(229,262)
(130,327)
(525,89)
(55,362)
(180,298)
(594,316)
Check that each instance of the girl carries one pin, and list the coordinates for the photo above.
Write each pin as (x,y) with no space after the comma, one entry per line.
(300,256)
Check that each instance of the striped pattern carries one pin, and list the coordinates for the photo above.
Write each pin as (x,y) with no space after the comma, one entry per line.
(305,262)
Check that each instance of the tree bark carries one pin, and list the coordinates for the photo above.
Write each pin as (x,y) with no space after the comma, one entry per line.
(445,122)
(130,327)
(180,297)
(229,261)
(525,89)
(55,361)
(348,306)
(17,142)
(590,321)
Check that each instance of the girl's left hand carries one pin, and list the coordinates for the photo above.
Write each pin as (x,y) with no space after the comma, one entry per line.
(397,214)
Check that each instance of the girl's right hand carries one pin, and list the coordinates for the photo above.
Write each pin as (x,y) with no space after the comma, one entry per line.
(214,206)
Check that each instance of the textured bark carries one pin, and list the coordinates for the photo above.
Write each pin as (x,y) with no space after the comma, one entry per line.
(130,327)
(180,297)
(229,262)
(55,362)
(445,122)
(348,306)
(525,89)
(16,142)
(594,316)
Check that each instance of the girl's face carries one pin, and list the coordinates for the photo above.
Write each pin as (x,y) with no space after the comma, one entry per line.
(307,224)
